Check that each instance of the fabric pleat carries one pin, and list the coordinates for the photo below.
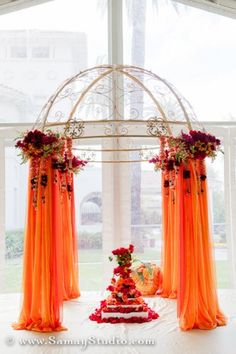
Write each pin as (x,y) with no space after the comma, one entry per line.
(198,307)
(50,255)
(70,249)
(187,261)
(169,254)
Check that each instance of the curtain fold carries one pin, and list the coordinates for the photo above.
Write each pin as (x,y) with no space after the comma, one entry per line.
(170,240)
(50,272)
(198,302)
(188,265)
(70,248)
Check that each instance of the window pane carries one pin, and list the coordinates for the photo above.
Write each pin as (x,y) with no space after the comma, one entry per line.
(88,204)
(18,52)
(146,212)
(37,55)
(217,209)
(191,48)
(40,52)
(16,178)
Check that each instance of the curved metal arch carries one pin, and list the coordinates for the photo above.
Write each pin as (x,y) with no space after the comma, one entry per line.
(170,86)
(84,93)
(118,68)
(53,98)
(108,69)
(150,95)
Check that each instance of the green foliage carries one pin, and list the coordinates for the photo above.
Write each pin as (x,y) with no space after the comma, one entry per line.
(139,272)
(90,240)
(150,216)
(14,244)
(141,276)
(219,206)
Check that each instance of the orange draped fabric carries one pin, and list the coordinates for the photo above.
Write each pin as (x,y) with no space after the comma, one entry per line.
(168,287)
(188,267)
(198,306)
(70,250)
(49,255)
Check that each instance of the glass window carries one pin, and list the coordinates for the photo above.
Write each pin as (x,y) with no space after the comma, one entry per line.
(118,203)
(16,177)
(217,211)
(40,52)
(146,213)
(75,38)
(88,199)
(191,48)
(18,52)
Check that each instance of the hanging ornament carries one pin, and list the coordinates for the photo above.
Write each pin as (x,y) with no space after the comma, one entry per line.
(34,175)
(43,177)
(203,176)
(70,166)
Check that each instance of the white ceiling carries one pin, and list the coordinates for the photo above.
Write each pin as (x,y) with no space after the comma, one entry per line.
(223,7)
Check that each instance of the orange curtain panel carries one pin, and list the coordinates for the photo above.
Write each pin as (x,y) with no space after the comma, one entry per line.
(187,261)
(169,284)
(43,252)
(70,248)
(50,271)
(197,298)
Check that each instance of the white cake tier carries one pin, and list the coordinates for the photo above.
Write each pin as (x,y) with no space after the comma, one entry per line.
(125,306)
(124,315)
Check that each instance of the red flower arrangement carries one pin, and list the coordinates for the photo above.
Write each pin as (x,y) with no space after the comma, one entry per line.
(38,147)
(200,145)
(77,164)
(74,165)
(176,151)
(123,291)
(122,250)
(38,144)
(97,316)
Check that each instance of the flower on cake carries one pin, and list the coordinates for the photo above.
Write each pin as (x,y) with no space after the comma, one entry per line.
(124,297)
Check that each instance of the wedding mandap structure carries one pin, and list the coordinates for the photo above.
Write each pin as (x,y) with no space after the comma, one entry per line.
(133,115)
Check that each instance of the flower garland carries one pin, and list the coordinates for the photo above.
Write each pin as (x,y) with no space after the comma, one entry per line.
(38,147)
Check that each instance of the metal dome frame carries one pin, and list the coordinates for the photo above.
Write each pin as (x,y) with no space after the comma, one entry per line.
(115,92)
